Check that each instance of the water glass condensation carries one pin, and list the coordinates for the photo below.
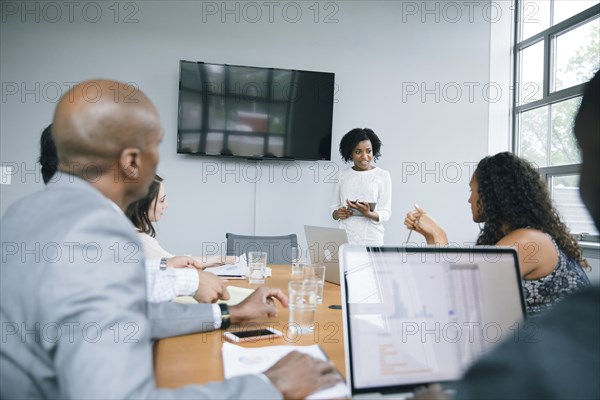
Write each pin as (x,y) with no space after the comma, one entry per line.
(302,305)
(316,273)
(257,265)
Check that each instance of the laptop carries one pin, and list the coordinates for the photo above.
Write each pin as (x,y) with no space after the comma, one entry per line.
(416,316)
(323,246)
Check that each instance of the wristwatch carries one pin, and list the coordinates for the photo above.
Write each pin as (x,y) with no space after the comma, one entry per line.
(163,264)
(225,316)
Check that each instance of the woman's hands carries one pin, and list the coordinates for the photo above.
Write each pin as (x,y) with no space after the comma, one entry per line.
(364,208)
(420,221)
(342,213)
(348,210)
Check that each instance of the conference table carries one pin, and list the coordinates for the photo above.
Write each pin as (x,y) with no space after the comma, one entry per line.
(195,359)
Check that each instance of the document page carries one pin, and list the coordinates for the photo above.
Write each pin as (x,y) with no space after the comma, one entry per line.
(235,271)
(231,271)
(238,360)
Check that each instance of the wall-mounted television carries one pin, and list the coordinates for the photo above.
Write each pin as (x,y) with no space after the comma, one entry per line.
(254,112)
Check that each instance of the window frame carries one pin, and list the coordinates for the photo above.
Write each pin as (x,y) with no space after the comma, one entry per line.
(548,98)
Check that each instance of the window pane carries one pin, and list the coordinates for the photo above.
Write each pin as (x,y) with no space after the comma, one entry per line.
(535,17)
(577,55)
(532,73)
(277,120)
(564,9)
(533,134)
(281,86)
(565,193)
(564,148)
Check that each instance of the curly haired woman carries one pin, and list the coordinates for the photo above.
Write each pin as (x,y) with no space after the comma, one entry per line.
(362,198)
(509,196)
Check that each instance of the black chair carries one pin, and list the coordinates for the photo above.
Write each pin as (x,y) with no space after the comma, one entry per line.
(278,248)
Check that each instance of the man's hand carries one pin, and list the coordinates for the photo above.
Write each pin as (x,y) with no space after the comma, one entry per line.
(259,304)
(297,375)
(183,262)
(211,288)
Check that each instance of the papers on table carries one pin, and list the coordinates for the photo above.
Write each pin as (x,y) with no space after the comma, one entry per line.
(239,360)
(234,271)
(231,271)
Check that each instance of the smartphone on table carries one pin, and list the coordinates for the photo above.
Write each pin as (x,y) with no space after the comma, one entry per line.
(252,335)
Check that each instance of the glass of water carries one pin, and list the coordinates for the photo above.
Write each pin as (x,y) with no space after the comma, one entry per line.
(257,265)
(302,297)
(297,261)
(316,273)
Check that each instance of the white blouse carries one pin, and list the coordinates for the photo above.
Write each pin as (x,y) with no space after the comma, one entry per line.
(373,186)
(152,249)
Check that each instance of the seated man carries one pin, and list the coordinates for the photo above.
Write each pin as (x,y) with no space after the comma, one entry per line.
(162,283)
(73,310)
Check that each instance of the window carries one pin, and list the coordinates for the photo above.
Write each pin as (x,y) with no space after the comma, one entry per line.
(557,50)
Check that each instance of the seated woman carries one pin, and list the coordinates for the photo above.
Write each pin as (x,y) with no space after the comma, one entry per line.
(151,208)
(509,196)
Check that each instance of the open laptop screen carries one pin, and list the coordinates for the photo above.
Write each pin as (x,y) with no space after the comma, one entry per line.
(324,245)
(422,315)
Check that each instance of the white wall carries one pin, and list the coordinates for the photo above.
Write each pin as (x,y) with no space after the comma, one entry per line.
(501,66)
(381,52)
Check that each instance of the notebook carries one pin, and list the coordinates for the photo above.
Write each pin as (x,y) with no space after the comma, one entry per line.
(236,296)
(415,316)
(323,246)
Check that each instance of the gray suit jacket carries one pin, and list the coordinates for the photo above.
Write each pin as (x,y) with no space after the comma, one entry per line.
(73,310)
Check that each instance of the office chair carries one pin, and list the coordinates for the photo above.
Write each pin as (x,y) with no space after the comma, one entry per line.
(278,248)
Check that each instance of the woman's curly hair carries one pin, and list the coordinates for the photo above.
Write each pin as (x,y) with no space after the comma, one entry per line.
(354,137)
(512,194)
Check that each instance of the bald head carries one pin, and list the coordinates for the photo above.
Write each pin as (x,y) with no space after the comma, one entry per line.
(108,133)
(97,119)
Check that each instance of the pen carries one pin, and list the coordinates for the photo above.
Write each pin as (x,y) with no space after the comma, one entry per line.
(411,231)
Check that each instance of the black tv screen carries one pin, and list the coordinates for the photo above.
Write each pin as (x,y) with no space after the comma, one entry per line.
(252,112)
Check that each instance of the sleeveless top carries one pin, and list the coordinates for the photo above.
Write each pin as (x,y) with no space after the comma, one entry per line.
(567,277)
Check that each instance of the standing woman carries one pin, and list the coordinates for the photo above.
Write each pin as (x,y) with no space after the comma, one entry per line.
(362,200)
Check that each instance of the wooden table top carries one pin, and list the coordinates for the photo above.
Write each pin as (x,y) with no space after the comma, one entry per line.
(194,359)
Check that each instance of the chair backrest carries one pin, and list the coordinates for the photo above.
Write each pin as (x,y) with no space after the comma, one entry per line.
(278,248)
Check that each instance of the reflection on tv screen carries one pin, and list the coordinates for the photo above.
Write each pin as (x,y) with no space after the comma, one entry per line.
(253,112)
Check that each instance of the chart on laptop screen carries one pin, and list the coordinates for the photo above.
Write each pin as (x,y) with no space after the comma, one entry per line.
(419,317)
